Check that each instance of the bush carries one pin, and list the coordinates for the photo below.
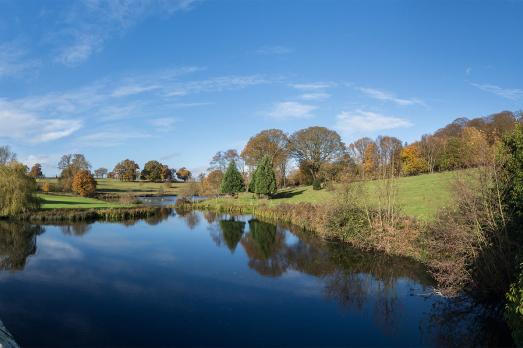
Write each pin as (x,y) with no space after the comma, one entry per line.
(46,187)
(316,185)
(17,190)
(84,183)
(514,309)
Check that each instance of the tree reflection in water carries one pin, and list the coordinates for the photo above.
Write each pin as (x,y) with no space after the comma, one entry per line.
(232,232)
(75,229)
(17,243)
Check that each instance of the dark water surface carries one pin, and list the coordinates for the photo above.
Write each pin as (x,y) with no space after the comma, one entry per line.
(200,279)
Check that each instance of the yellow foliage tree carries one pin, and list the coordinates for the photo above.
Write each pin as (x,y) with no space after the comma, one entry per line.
(370,159)
(412,160)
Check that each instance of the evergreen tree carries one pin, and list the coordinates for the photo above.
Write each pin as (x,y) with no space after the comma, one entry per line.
(252,183)
(232,182)
(265,179)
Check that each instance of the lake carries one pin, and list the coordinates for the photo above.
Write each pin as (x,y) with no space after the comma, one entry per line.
(202,279)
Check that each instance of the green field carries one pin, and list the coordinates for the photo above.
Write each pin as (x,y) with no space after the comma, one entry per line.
(74,202)
(420,196)
(136,188)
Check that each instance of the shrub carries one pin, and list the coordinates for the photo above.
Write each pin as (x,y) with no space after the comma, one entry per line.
(514,309)
(316,185)
(84,183)
(46,187)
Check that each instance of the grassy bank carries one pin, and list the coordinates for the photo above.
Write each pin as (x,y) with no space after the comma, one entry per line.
(52,201)
(136,188)
(418,196)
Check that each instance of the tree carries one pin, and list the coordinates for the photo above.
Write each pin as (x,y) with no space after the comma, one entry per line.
(166,173)
(84,183)
(100,172)
(212,182)
(357,152)
(273,143)
(412,161)
(316,146)
(17,190)
(370,159)
(70,165)
(232,182)
(183,174)
(264,178)
(152,171)
(222,158)
(126,170)
(6,155)
(36,171)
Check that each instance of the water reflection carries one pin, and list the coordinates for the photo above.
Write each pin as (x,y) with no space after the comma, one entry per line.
(17,243)
(384,290)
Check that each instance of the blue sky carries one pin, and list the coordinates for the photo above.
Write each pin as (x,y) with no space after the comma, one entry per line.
(177,81)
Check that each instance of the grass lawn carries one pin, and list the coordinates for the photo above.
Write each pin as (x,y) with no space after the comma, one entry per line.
(420,196)
(74,202)
(137,188)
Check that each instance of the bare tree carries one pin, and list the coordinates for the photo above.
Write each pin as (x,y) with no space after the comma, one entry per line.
(6,155)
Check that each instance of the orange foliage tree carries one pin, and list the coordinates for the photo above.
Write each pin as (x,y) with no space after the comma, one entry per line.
(412,160)
(84,183)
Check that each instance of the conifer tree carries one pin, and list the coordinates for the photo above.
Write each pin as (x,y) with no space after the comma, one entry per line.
(265,179)
(232,182)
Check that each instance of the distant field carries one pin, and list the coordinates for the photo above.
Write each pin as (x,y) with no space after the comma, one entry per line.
(137,188)
(420,196)
(73,202)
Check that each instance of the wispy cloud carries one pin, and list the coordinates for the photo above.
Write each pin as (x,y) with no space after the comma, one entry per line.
(274,50)
(14,60)
(508,93)
(163,124)
(124,91)
(110,138)
(216,84)
(292,110)
(312,86)
(389,97)
(88,24)
(360,120)
(315,96)
(20,125)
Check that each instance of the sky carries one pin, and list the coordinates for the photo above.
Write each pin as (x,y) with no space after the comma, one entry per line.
(179,80)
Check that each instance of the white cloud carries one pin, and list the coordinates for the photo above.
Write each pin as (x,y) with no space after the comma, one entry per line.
(13,60)
(22,125)
(513,94)
(292,110)
(163,123)
(274,50)
(366,121)
(110,138)
(124,91)
(312,86)
(216,84)
(315,96)
(89,24)
(387,96)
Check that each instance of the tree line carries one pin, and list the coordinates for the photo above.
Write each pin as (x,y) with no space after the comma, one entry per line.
(319,156)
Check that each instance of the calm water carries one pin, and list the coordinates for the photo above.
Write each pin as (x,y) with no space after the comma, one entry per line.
(199,279)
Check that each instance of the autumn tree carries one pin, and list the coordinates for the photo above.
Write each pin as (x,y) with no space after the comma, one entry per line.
(17,190)
(152,171)
(100,172)
(6,155)
(167,173)
(474,147)
(126,170)
(263,181)
(36,171)
(370,159)
(357,151)
(212,182)
(183,174)
(315,146)
(70,165)
(84,183)
(273,143)
(232,182)
(221,160)
(412,160)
